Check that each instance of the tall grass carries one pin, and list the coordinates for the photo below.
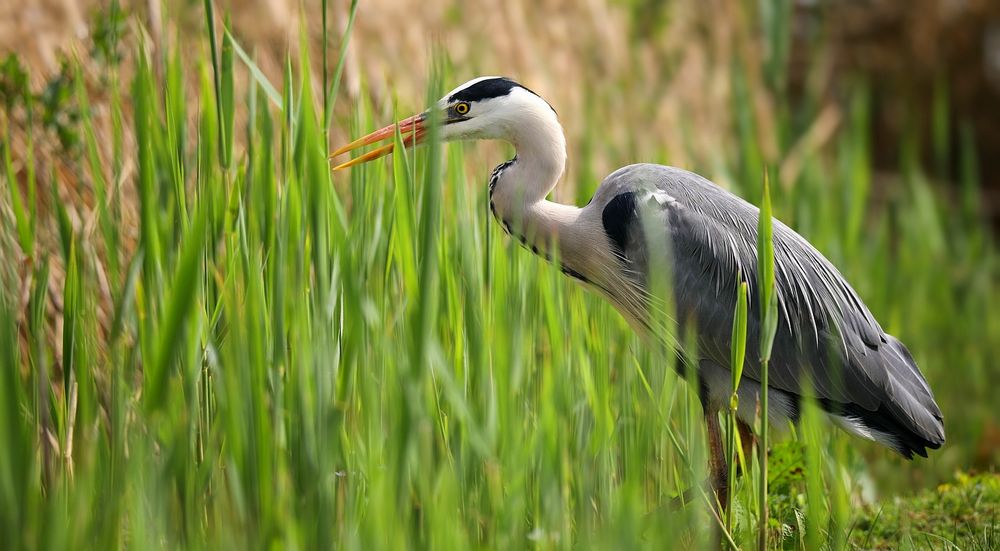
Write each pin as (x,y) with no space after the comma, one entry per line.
(297,359)
(768,307)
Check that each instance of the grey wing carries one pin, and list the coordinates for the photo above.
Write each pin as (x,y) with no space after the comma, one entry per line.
(825,331)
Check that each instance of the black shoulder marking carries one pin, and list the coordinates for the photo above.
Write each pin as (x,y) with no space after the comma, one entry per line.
(574,274)
(618,216)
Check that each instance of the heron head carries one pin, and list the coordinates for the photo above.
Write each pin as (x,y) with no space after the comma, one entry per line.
(482,109)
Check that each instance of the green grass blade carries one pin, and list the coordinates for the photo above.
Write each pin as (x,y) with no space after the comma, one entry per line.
(335,85)
(149,224)
(769,326)
(216,72)
(737,356)
(227,98)
(19,484)
(22,220)
(183,296)
(255,71)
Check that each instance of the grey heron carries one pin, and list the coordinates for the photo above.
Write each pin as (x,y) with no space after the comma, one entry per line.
(864,379)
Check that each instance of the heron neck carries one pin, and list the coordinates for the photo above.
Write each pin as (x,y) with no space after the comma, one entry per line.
(518,188)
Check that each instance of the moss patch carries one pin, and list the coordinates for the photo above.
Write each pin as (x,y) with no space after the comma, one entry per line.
(963,514)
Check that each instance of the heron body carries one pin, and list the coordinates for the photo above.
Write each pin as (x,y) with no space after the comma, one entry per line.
(865,379)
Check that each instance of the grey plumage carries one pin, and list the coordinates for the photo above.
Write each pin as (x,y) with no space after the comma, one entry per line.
(860,374)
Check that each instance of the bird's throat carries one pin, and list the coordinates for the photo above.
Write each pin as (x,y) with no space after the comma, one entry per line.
(518,187)
(517,191)
(517,199)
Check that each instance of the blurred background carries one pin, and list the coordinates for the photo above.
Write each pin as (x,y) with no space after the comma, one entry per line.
(663,68)
(879,119)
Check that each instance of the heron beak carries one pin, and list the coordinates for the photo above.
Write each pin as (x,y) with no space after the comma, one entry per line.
(412,130)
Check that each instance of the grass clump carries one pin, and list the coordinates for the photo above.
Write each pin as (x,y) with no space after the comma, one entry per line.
(961,514)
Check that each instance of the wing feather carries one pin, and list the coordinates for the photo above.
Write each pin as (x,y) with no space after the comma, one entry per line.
(825,333)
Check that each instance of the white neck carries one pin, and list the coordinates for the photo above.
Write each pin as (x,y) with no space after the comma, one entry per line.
(518,195)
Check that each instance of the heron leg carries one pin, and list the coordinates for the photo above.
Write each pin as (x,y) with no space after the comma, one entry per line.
(718,478)
(717,465)
(747,441)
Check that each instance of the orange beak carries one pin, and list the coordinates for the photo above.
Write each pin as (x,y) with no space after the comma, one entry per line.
(412,130)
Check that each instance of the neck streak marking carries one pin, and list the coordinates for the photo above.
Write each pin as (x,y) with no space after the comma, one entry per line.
(494,180)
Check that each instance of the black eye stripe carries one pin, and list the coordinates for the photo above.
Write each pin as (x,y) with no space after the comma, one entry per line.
(487,89)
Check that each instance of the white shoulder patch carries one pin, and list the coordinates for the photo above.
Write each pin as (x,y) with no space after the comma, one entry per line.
(660,199)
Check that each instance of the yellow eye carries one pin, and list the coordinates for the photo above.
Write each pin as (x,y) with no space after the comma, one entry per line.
(462,108)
